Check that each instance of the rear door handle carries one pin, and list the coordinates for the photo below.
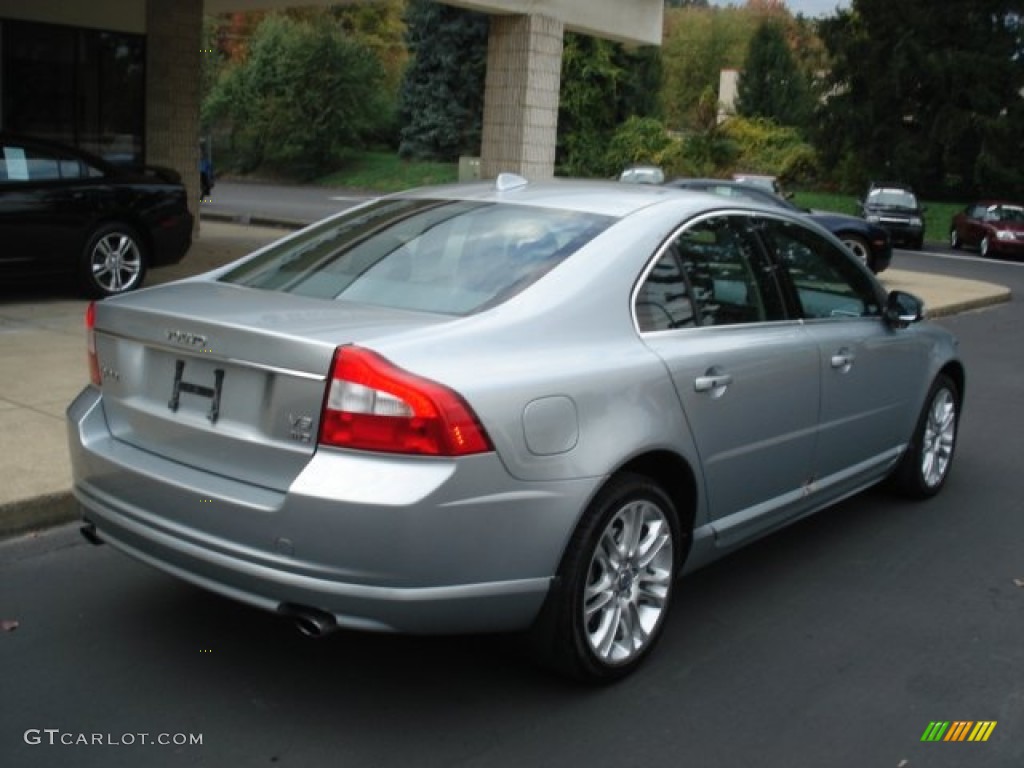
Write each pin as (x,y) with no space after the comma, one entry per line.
(710,383)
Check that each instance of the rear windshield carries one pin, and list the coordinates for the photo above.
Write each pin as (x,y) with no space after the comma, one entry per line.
(451,257)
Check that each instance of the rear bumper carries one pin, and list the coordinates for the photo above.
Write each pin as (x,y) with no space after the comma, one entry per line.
(382,544)
(172,237)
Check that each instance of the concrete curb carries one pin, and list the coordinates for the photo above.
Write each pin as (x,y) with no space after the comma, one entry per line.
(246,220)
(968,305)
(36,513)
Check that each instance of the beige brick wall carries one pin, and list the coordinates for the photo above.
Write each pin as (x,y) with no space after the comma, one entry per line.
(173,37)
(524,67)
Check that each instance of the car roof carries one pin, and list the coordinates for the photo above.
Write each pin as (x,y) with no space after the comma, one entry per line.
(608,198)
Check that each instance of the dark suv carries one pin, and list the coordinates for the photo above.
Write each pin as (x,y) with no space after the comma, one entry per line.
(895,208)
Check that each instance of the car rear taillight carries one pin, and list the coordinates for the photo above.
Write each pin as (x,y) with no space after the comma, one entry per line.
(374,405)
(90,343)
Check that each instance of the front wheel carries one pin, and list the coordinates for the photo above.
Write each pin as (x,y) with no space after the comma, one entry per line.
(608,605)
(114,260)
(954,239)
(925,466)
(984,247)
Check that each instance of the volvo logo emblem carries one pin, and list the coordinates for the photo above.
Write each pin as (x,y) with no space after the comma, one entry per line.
(187,339)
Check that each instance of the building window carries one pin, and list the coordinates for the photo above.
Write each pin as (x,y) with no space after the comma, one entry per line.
(83,87)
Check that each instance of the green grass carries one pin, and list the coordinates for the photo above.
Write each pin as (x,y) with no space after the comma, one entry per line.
(937,216)
(386,172)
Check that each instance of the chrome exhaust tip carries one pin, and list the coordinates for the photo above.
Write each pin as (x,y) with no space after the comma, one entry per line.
(311,622)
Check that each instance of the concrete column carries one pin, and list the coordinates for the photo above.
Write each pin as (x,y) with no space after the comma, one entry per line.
(174,31)
(524,69)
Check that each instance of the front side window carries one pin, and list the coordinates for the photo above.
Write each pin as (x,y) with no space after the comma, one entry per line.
(713,273)
(451,257)
(828,282)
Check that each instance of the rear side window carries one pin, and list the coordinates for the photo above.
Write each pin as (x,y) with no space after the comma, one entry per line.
(22,164)
(713,273)
(450,257)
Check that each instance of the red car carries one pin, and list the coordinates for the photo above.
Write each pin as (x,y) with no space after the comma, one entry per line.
(993,226)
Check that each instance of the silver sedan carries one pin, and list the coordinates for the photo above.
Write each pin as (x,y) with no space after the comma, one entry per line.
(502,407)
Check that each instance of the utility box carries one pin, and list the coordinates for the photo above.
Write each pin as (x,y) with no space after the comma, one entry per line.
(469,168)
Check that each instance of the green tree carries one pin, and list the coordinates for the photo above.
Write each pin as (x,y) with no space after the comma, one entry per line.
(603,85)
(771,84)
(926,94)
(305,95)
(441,97)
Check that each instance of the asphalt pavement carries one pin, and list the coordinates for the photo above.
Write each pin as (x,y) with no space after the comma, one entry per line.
(43,361)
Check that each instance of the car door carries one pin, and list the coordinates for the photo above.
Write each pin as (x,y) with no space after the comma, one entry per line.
(870,372)
(746,375)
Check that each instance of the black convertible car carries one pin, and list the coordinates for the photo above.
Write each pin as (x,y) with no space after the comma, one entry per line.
(66,211)
(869,242)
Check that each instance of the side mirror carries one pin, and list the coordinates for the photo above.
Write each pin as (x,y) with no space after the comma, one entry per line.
(903,309)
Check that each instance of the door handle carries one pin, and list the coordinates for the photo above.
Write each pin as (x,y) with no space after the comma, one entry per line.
(843,360)
(718,381)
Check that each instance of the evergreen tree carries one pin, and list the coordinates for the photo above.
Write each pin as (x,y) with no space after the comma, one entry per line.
(771,85)
(928,94)
(442,92)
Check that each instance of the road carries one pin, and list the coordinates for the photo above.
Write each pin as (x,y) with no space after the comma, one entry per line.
(298,204)
(833,643)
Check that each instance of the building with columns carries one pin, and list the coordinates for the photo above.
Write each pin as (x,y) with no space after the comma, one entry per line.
(120,78)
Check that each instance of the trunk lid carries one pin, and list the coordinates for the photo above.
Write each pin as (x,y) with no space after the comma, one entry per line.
(226,379)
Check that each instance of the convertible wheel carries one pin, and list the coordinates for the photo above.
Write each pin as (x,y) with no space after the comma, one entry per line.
(926,464)
(114,261)
(859,247)
(607,608)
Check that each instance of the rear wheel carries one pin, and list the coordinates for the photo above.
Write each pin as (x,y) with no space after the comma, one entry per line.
(929,457)
(608,605)
(114,260)
(954,239)
(984,247)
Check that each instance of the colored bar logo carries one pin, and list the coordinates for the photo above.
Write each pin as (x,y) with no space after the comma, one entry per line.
(959,730)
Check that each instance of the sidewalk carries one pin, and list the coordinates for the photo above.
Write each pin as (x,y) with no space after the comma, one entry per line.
(42,349)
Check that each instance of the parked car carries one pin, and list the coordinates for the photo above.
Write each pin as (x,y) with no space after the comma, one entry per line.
(65,211)
(761,181)
(896,208)
(992,226)
(868,242)
(642,174)
(502,407)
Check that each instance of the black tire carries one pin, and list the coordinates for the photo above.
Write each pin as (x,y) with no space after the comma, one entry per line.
(983,247)
(925,466)
(954,240)
(114,261)
(626,615)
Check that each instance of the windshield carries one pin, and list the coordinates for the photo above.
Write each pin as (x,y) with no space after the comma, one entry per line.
(451,257)
(892,198)
(1008,213)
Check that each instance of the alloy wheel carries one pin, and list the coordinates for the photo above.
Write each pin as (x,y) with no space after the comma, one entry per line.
(115,262)
(628,582)
(939,438)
